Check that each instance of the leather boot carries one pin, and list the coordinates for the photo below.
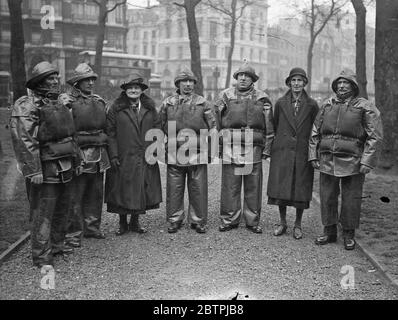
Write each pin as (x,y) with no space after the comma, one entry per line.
(123,226)
(134,225)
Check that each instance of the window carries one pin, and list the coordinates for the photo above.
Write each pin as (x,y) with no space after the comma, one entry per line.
(260,55)
(78,39)
(168,30)
(77,10)
(227,30)
(199,24)
(242,32)
(212,51)
(136,34)
(227,52)
(180,52)
(251,54)
(5,35)
(57,37)
(36,37)
(3,6)
(261,36)
(119,11)
(181,29)
(91,40)
(167,52)
(153,50)
(213,30)
(145,49)
(153,34)
(92,12)
(145,37)
(135,49)
(35,6)
(57,5)
(242,52)
(210,82)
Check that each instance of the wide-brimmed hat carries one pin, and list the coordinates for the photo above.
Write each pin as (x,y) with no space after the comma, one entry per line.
(82,71)
(296,72)
(39,72)
(350,76)
(246,69)
(136,79)
(185,74)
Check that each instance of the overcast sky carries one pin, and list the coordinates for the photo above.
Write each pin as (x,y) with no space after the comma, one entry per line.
(278,9)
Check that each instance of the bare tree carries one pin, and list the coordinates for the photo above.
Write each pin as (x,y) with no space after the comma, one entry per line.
(102,17)
(17,56)
(196,64)
(234,13)
(317,17)
(360,46)
(386,70)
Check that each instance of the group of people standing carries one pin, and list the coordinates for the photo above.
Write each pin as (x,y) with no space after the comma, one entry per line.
(65,143)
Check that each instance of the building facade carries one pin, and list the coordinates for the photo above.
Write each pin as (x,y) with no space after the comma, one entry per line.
(334,50)
(76,27)
(161,32)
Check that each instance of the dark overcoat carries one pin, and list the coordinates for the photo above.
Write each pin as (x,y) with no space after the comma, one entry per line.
(135,185)
(290,174)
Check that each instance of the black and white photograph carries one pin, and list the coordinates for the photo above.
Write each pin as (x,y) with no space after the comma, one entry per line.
(199,155)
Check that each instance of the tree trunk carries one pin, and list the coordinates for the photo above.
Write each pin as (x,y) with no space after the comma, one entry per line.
(309,65)
(360,46)
(232,43)
(17,50)
(100,38)
(196,65)
(386,70)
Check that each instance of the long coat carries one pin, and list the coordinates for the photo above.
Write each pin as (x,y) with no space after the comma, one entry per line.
(290,174)
(135,185)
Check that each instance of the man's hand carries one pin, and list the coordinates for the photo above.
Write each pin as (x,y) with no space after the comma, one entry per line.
(364,169)
(265,156)
(315,164)
(115,163)
(64,99)
(37,179)
(79,170)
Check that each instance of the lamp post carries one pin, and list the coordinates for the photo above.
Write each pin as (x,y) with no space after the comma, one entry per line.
(216,75)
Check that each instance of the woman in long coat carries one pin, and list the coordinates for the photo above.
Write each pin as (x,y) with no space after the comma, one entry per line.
(291,175)
(132,185)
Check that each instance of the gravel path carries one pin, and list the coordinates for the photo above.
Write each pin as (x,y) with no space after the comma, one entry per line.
(187,265)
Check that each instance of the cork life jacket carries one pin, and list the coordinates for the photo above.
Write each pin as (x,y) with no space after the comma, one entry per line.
(90,120)
(56,129)
(342,130)
(245,114)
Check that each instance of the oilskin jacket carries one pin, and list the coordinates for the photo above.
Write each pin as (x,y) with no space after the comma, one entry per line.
(42,132)
(346,135)
(89,116)
(237,112)
(186,114)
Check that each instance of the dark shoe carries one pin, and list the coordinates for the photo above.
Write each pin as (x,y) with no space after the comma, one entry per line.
(193,226)
(280,229)
(255,229)
(349,243)
(123,228)
(200,229)
(297,232)
(135,226)
(324,239)
(97,235)
(61,251)
(74,244)
(227,227)
(173,227)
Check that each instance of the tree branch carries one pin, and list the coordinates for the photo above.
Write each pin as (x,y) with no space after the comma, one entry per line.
(117,5)
(179,4)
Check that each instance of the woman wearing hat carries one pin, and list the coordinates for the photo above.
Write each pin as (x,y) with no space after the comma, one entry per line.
(132,185)
(89,116)
(291,175)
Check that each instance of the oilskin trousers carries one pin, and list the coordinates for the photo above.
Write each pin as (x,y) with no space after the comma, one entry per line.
(231,187)
(86,209)
(351,199)
(197,193)
(50,204)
